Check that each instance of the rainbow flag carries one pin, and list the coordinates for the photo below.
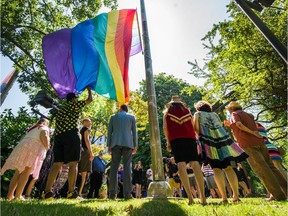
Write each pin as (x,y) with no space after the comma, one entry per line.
(94,53)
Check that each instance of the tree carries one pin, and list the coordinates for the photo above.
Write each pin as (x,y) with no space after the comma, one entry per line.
(25,23)
(139,109)
(13,127)
(166,86)
(99,111)
(240,59)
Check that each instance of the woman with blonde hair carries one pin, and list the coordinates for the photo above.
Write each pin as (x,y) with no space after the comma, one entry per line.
(137,178)
(27,158)
(220,149)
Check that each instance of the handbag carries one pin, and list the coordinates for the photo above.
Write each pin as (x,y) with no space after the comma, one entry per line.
(177,179)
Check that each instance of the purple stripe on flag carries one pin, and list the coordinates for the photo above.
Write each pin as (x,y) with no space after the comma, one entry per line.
(135,49)
(58,60)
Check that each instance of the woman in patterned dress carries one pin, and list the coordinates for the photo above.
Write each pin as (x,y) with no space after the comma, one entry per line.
(27,158)
(220,149)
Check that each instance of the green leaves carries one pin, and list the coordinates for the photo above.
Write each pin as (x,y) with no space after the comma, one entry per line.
(240,59)
(13,127)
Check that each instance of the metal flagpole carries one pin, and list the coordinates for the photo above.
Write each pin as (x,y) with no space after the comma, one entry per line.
(159,188)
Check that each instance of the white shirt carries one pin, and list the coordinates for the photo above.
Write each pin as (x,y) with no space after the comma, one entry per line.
(149,173)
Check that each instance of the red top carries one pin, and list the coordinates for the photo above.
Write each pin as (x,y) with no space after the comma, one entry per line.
(243,138)
(179,123)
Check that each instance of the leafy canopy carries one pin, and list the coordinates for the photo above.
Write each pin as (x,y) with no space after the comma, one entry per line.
(240,59)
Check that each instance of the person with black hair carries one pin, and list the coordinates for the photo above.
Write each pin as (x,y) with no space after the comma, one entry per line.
(122,142)
(97,175)
(174,180)
(67,143)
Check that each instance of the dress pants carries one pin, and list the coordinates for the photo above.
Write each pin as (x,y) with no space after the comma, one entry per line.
(119,152)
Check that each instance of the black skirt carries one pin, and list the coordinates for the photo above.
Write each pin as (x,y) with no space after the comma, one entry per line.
(184,150)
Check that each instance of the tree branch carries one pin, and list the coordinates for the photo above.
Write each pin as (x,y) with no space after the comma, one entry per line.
(30,27)
(20,47)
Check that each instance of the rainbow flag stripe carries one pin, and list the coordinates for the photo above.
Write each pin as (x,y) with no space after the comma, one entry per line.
(94,53)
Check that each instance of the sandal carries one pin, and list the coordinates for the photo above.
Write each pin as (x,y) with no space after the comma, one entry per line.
(204,203)
(224,202)
(21,198)
(190,202)
(236,201)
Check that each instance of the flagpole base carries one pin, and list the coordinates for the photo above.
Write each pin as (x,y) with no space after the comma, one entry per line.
(159,190)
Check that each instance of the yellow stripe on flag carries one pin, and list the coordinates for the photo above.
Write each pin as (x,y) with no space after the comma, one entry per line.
(111,55)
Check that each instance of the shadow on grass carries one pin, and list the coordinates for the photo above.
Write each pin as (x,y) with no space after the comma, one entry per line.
(158,207)
(37,208)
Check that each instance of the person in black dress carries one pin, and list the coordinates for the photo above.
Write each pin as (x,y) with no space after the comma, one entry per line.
(137,175)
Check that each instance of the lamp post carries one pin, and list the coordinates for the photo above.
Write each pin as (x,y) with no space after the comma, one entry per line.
(159,188)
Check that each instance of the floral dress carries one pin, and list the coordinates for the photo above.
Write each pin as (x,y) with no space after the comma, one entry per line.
(30,152)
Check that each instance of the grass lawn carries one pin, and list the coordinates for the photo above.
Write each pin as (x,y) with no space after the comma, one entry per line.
(145,207)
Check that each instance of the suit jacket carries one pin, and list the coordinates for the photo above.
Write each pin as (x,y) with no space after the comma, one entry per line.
(122,131)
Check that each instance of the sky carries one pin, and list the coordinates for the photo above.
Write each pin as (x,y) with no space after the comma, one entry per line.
(175,31)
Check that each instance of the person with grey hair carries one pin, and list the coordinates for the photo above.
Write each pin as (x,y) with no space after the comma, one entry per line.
(122,142)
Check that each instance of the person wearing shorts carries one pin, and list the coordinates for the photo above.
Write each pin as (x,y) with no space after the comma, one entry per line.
(209,179)
(192,181)
(67,144)
(85,163)
(172,169)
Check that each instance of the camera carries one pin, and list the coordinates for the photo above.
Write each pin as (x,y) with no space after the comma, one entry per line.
(166,160)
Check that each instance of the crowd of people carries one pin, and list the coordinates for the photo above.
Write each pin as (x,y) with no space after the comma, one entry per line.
(182,130)
(206,161)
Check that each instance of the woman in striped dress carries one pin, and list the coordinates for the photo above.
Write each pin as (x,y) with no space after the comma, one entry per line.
(220,149)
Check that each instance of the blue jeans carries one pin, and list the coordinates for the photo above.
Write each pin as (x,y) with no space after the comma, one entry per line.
(117,153)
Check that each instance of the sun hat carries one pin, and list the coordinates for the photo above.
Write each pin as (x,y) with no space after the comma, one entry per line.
(233,104)
(175,99)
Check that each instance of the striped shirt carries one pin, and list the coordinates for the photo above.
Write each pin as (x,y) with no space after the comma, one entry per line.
(207,171)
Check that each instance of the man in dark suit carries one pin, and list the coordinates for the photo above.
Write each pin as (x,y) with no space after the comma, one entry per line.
(122,141)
